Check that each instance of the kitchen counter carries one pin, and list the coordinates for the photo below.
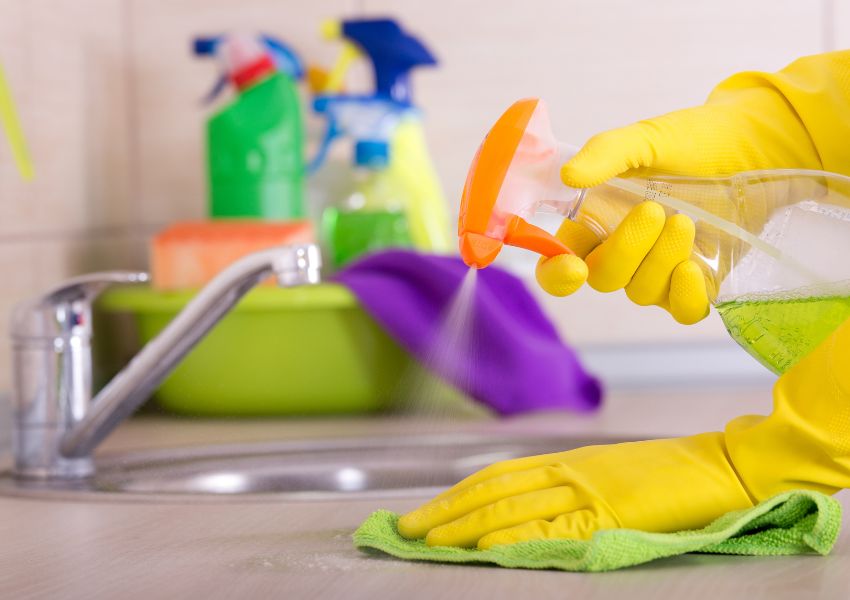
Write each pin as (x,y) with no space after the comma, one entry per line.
(299,550)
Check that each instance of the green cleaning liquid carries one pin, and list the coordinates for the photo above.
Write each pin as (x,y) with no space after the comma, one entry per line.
(372,214)
(778,332)
(349,234)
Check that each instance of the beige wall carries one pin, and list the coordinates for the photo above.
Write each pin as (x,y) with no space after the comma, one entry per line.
(65,61)
(109,94)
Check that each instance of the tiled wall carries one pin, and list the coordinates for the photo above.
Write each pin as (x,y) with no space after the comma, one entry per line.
(109,96)
(65,61)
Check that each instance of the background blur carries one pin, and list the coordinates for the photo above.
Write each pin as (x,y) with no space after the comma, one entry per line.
(109,96)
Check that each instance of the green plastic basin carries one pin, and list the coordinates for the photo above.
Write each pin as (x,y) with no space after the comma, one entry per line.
(280,351)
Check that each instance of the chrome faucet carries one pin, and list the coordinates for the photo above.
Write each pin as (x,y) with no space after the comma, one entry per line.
(57,425)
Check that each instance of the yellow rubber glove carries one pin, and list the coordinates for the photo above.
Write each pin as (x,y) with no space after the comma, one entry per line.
(796,118)
(660,485)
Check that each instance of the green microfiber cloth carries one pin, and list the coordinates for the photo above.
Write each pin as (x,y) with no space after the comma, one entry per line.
(795,522)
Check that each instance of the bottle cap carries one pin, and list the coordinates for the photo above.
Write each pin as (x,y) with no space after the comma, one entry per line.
(246,60)
(372,154)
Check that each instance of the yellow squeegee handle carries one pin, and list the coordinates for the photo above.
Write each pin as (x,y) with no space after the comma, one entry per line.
(12,125)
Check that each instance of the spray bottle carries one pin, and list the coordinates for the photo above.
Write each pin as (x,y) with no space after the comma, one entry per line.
(767,240)
(392,118)
(255,143)
(371,208)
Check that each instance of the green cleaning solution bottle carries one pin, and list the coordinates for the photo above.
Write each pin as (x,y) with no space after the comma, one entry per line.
(372,214)
(255,143)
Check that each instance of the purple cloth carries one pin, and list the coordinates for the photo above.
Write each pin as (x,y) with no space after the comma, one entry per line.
(505,353)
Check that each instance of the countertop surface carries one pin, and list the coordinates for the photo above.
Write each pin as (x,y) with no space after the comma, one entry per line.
(243,549)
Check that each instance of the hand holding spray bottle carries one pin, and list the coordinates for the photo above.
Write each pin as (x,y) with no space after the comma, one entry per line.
(758,236)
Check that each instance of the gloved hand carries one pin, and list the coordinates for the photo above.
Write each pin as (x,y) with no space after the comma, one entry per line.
(796,118)
(661,485)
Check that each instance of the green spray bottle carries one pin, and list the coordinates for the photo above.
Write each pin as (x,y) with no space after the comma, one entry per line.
(255,143)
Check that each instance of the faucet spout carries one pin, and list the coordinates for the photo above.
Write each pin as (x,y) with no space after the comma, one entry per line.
(291,265)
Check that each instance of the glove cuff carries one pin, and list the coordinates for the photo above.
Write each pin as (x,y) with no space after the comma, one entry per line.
(805,442)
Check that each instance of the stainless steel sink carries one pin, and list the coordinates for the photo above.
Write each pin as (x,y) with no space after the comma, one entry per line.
(301,470)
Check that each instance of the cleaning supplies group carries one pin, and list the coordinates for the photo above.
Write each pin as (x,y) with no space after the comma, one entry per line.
(761,245)
(255,143)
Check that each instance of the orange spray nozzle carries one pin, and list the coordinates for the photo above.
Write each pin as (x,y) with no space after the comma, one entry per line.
(479,251)
(492,200)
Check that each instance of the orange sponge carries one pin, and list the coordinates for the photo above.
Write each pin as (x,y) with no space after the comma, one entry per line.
(187,255)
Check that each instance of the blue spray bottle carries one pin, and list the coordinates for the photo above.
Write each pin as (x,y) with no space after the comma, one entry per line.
(388,116)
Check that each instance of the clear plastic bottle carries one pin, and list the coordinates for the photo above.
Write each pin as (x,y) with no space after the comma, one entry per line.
(773,245)
(372,214)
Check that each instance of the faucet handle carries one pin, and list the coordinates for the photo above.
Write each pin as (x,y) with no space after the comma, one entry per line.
(61,308)
(87,287)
